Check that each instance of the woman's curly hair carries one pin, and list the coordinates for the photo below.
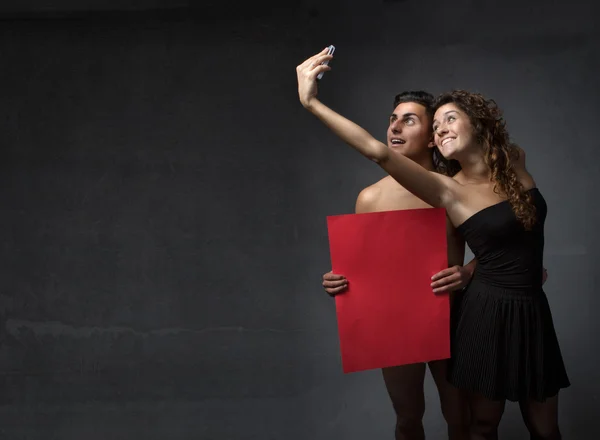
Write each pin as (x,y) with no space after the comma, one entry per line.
(490,131)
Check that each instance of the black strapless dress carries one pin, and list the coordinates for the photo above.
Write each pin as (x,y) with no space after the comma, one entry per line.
(503,341)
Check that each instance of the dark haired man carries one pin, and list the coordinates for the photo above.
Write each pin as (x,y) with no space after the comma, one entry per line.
(410,133)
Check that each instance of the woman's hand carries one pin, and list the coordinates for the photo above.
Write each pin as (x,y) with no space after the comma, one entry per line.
(307,76)
(453,278)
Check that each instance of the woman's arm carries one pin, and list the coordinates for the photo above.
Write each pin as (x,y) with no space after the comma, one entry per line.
(435,189)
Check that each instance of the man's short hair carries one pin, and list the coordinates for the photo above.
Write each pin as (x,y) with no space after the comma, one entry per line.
(418,96)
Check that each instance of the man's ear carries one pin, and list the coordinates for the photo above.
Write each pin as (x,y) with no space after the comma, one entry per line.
(431,143)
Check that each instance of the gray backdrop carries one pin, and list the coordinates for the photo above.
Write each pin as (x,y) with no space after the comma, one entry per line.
(164,196)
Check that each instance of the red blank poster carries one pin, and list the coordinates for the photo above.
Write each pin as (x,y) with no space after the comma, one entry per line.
(389,315)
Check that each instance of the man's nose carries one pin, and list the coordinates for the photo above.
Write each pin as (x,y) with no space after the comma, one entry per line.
(396,127)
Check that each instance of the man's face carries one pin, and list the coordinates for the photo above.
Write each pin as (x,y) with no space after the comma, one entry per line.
(410,131)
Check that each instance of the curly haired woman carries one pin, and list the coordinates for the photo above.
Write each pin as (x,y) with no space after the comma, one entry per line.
(504,345)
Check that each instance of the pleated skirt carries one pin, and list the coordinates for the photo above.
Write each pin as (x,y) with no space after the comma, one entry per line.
(504,345)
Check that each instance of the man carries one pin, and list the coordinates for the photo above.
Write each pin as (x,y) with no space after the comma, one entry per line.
(410,133)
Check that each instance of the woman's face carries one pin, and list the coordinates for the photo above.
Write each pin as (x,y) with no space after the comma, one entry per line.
(453,131)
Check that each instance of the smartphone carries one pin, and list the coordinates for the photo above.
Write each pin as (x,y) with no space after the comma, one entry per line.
(329,52)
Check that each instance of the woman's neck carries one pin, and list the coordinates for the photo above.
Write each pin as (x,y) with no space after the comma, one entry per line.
(475,170)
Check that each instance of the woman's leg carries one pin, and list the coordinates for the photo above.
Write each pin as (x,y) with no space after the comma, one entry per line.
(541,418)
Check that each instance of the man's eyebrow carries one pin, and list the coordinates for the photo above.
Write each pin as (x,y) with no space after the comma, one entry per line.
(405,115)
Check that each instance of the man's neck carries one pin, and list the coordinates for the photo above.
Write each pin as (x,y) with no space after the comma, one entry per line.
(426,162)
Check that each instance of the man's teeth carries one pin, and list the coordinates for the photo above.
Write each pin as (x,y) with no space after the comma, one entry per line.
(397,141)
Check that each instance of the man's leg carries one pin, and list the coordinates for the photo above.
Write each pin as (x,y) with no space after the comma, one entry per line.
(454,403)
(486,415)
(405,387)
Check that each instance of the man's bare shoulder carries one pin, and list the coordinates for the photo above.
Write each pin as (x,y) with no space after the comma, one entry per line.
(369,196)
(387,195)
(382,188)
(373,197)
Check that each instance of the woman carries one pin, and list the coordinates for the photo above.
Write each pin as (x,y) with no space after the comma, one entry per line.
(504,346)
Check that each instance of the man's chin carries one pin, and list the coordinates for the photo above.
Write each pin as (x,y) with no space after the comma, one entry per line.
(400,148)
(405,150)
